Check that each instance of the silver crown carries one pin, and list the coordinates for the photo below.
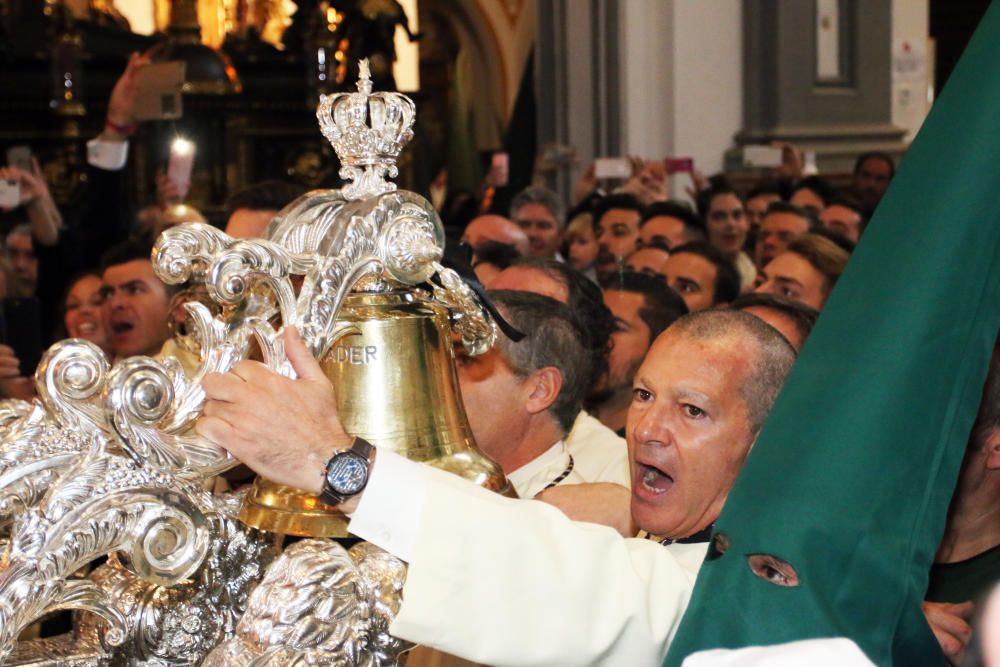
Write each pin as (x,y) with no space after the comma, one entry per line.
(367,131)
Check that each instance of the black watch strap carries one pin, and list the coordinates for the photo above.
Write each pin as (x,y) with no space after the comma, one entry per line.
(360,447)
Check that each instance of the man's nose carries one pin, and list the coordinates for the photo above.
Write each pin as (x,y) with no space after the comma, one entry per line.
(652,427)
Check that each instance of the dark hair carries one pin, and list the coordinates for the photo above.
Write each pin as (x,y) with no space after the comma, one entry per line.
(586,307)
(694,228)
(717,189)
(661,305)
(765,189)
(500,255)
(264,196)
(845,243)
(848,201)
(620,201)
(552,339)
(802,316)
(727,278)
(785,207)
(875,155)
(816,184)
(130,250)
(771,364)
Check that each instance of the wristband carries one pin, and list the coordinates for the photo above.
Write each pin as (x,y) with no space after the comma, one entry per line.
(125,130)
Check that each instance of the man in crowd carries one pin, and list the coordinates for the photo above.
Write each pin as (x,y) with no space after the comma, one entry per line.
(782,222)
(669,223)
(598,452)
(792,319)
(20,250)
(643,307)
(702,276)
(250,211)
(872,174)
(512,593)
(757,201)
(617,230)
(539,212)
(727,226)
(967,564)
(495,228)
(648,259)
(844,216)
(522,398)
(806,271)
(136,302)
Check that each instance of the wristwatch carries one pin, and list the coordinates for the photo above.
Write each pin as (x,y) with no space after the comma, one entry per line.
(347,473)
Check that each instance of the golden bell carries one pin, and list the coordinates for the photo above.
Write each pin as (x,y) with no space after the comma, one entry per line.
(397,388)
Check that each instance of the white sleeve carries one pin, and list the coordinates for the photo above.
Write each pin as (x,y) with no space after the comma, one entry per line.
(514,582)
(107,155)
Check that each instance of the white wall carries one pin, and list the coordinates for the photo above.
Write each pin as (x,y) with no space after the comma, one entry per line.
(682,65)
(910,87)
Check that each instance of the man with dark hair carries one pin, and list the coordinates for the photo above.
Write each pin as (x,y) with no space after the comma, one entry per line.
(873,171)
(757,201)
(643,307)
(811,194)
(648,259)
(492,257)
(512,594)
(670,223)
(539,212)
(702,276)
(792,319)
(616,226)
(844,215)
(136,302)
(250,211)
(727,226)
(782,223)
(522,398)
(594,446)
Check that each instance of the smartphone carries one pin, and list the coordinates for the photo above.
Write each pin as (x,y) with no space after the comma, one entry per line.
(20,157)
(612,167)
(158,91)
(21,329)
(676,165)
(500,169)
(10,194)
(761,156)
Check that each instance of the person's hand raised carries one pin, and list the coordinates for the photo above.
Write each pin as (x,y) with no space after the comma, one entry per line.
(285,430)
(121,106)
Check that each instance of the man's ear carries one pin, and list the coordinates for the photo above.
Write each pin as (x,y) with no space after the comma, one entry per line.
(991,445)
(544,385)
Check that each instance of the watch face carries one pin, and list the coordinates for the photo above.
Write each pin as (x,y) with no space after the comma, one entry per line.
(348,473)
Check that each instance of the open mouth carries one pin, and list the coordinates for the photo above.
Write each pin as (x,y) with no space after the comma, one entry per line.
(121,328)
(653,479)
(86,328)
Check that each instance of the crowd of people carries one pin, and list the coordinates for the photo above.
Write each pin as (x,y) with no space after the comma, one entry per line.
(658,333)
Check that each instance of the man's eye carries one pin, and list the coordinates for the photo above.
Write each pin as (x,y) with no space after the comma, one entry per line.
(641,395)
(693,411)
(789,292)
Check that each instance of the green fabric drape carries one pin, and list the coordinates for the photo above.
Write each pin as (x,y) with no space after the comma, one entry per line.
(850,480)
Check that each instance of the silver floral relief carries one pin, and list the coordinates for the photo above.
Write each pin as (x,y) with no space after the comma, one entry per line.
(319,604)
(106,459)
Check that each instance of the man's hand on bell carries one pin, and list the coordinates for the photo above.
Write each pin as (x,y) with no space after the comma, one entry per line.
(285,430)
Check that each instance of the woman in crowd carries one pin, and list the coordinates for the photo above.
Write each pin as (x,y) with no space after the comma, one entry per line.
(83,312)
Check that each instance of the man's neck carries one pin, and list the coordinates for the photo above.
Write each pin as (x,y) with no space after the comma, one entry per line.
(613,412)
(537,439)
(973,524)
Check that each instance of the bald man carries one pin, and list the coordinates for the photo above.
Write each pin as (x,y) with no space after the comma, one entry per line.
(497,228)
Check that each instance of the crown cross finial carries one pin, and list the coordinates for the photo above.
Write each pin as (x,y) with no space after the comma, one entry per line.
(367,130)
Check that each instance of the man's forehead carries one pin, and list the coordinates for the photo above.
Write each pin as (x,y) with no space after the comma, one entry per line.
(618,215)
(19,240)
(527,279)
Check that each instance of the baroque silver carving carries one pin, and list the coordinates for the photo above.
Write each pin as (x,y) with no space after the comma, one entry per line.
(106,461)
